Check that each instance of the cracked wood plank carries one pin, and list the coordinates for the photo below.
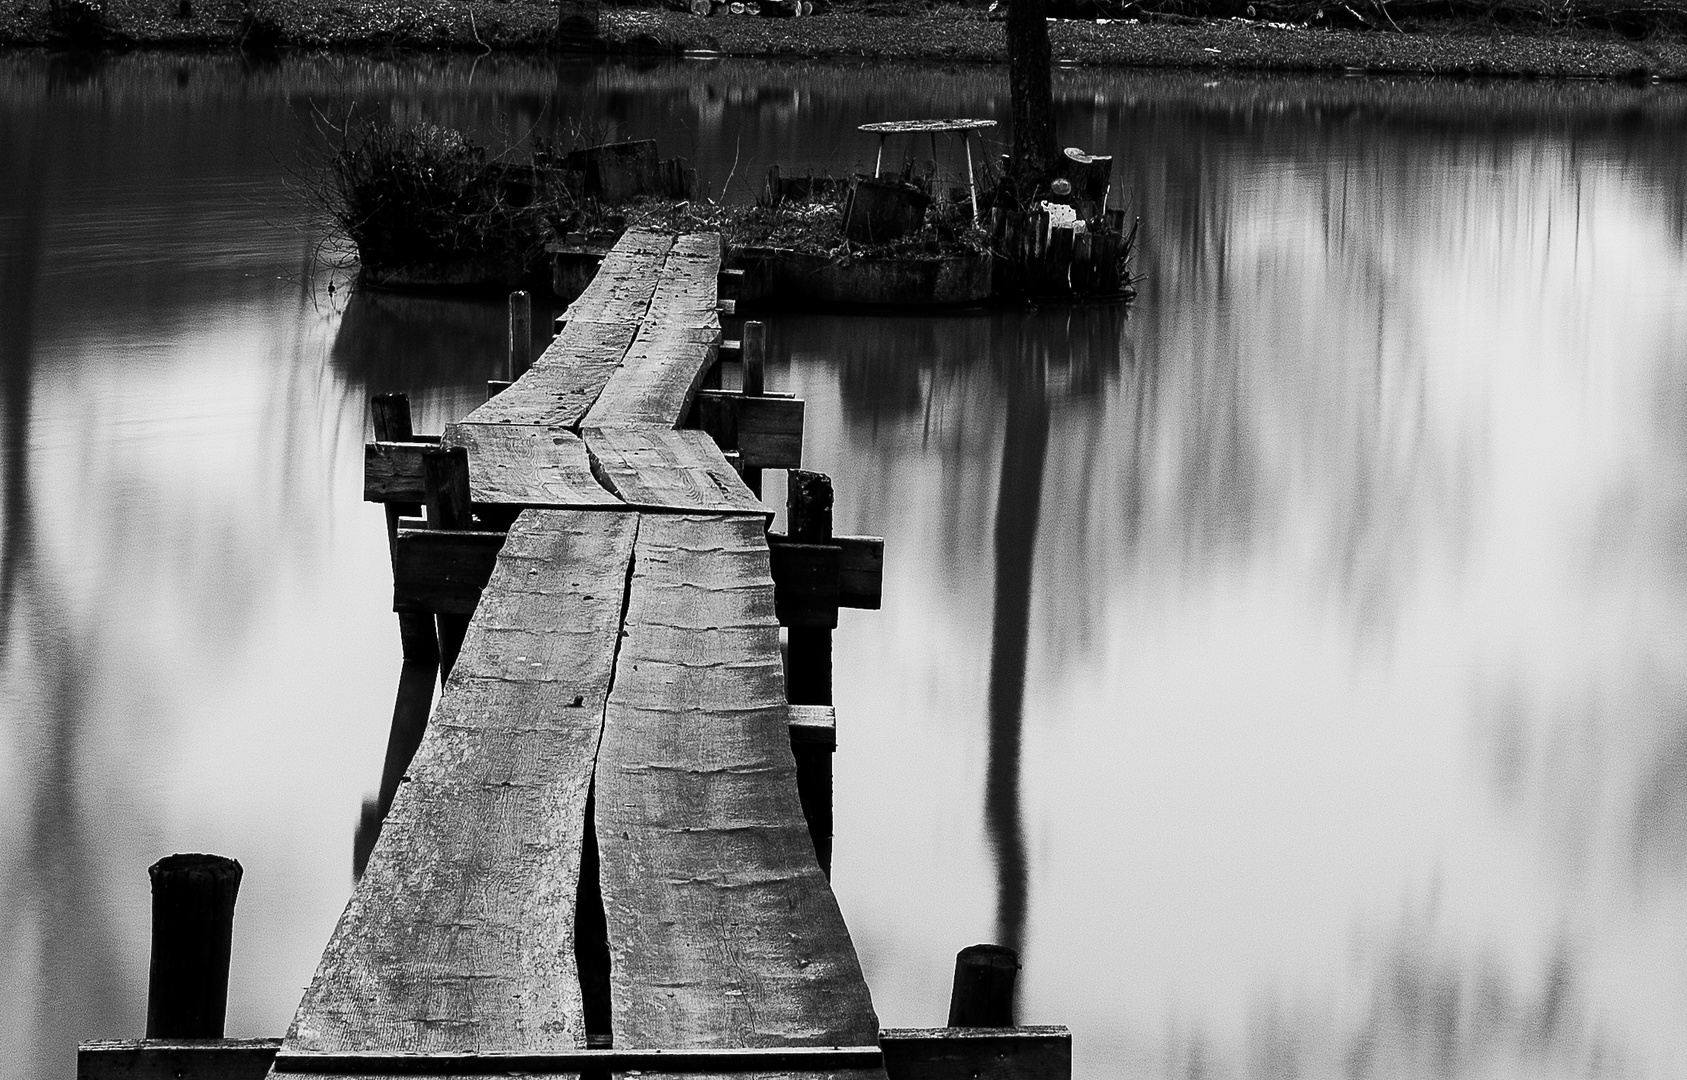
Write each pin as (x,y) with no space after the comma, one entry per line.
(676,344)
(527,465)
(722,929)
(460,935)
(560,387)
(662,468)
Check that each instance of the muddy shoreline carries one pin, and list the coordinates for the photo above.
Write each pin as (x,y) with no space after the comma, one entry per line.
(948,34)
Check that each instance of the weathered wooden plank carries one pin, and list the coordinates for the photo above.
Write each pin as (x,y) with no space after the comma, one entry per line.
(529,466)
(676,343)
(392,471)
(1019,1053)
(660,468)
(621,290)
(714,1061)
(722,930)
(766,431)
(460,935)
(165,1059)
(442,571)
(560,387)
(861,571)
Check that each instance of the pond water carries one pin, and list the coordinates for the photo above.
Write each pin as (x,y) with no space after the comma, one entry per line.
(1296,669)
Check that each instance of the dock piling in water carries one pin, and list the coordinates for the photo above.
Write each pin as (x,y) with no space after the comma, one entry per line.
(192,935)
(445,477)
(985,976)
(521,335)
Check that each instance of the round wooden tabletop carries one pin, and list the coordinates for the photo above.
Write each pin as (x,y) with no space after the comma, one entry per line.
(914,127)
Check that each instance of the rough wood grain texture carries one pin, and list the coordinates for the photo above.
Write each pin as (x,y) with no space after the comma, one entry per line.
(563,383)
(660,468)
(627,278)
(676,343)
(460,936)
(722,930)
(529,466)
(767,431)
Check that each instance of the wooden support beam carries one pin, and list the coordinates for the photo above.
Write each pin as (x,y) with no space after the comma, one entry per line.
(169,1059)
(730,284)
(1025,1053)
(767,431)
(442,572)
(813,725)
(494,387)
(858,563)
(814,739)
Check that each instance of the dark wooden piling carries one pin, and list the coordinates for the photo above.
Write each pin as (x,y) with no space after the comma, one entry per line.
(808,676)
(445,477)
(192,934)
(521,335)
(984,983)
(753,345)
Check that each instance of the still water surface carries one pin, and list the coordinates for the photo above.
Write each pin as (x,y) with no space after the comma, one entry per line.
(1296,669)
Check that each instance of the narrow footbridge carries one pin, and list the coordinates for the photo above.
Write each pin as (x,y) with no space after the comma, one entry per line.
(606,848)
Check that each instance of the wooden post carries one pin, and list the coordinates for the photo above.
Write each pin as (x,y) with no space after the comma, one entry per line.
(753,348)
(521,334)
(984,984)
(808,673)
(445,477)
(192,933)
(391,413)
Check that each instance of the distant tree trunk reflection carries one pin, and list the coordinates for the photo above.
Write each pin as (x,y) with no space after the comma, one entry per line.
(1024,448)
(52,914)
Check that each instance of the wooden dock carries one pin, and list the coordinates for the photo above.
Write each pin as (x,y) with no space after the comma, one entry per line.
(608,844)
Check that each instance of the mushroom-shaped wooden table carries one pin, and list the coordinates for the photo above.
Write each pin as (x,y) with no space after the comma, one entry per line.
(964,128)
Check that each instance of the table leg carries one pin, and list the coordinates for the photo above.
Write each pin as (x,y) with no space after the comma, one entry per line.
(972,185)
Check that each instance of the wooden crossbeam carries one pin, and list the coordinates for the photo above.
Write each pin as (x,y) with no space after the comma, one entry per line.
(766,430)
(442,571)
(811,581)
(1023,1053)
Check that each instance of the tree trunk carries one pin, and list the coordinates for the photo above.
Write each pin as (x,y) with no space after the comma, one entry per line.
(1030,81)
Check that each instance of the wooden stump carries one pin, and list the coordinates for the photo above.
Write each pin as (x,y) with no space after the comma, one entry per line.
(984,984)
(883,210)
(192,934)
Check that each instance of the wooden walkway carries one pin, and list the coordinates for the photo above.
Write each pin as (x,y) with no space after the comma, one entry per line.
(618,705)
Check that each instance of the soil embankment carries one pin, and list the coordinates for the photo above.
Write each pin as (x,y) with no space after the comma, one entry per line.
(1580,47)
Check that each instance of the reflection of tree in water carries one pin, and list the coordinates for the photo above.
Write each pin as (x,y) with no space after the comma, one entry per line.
(52,897)
(1037,363)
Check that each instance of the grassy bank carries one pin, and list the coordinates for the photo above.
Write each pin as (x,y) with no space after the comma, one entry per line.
(1611,39)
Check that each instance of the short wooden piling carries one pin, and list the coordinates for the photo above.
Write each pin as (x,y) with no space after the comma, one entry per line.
(192,934)
(445,477)
(521,335)
(808,672)
(984,985)
(753,347)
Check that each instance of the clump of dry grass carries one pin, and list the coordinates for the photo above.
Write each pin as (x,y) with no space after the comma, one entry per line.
(408,196)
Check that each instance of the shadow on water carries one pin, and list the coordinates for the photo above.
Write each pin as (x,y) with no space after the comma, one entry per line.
(53,919)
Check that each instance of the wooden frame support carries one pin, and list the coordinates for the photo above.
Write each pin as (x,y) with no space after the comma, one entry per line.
(442,572)
(765,430)
(1027,1053)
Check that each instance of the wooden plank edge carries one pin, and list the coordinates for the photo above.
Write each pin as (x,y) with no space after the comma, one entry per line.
(710,1060)
(1043,1052)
